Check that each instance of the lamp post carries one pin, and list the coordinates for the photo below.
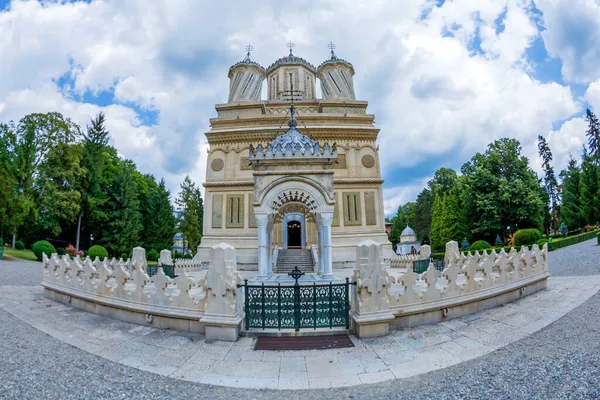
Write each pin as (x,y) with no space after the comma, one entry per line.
(91,239)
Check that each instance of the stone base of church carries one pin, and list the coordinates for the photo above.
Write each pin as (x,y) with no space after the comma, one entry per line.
(343,254)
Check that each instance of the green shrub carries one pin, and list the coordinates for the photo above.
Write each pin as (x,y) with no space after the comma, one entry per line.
(19,245)
(598,237)
(526,237)
(97,251)
(499,242)
(559,243)
(42,247)
(1,242)
(124,256)
(465,244)
(541,242)
(480,245)
(152,255)
(61,251)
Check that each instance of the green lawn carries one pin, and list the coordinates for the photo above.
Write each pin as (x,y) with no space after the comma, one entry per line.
(23,254)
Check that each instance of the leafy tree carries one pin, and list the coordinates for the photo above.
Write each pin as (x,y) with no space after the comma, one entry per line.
(27,144)
(406,216)
(160,229)
(590,190)
(437,224)
(550,183)
(190,202)
(58,187)
(504,190)
(122,231)
(570,210)
(593,134)
(442,181)
(424,214)
(455,218)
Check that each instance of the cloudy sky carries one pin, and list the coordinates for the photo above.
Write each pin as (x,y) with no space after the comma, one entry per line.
(444,78)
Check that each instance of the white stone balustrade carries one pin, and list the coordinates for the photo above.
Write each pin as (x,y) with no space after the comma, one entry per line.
(469,283)
(123,289)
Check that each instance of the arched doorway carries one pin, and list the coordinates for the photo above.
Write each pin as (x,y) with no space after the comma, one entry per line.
(294,235)
(293,224)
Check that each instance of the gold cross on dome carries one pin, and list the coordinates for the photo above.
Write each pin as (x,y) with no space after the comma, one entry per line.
(291,46)
(249,48)
(331,46)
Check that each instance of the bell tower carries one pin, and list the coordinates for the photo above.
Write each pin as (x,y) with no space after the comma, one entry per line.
(245,80)
(291,73)
(336,75)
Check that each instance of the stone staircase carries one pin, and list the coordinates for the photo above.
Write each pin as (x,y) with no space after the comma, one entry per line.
(288,259)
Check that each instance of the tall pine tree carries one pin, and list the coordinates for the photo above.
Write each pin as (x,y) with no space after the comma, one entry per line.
(590,190)
(94,197)
(570,210)
(550,183)
(190,202)
(122,232)
(161,227)
(593,134)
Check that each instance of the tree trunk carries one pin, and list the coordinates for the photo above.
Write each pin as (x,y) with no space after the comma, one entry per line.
(14,239)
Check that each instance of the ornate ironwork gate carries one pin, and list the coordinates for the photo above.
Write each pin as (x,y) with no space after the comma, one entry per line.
(297,306)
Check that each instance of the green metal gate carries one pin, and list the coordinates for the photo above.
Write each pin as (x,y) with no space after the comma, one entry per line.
(297,306)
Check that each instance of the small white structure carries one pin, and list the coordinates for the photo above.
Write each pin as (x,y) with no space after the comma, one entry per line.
(408,241)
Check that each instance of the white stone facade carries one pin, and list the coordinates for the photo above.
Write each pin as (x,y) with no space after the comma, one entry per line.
(353,177)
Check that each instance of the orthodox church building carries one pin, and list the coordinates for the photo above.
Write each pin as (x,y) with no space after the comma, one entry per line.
(293,178)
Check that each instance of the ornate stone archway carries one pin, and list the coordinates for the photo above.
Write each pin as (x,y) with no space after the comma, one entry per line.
(293,170)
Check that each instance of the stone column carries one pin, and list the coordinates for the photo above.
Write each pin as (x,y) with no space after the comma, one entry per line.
(326,220)
(262,221)
(319,244)
(270,245)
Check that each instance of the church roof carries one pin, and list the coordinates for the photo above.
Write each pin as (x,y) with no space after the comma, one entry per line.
(408,231)
(246,61)
(291,59)
(293,137)
(335,59)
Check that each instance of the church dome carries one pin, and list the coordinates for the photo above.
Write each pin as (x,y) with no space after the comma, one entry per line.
(291,59)
(246,62)
(334,59)
(408,231)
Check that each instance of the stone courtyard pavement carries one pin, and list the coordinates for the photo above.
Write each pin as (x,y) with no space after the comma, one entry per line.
(401,354)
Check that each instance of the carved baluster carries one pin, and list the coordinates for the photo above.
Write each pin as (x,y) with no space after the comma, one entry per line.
(408,281)
(161,284)
(470,271)
(121,278)
(431,277)
(451,273)
(104,274)
(87,277)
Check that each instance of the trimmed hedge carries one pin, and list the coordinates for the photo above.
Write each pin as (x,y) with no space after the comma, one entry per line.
(559,243)
(556,243)
(124,256)
(97,251)
(541,242)
(61,251)
(42,247)
(480,245)
(526,237)
(19,245)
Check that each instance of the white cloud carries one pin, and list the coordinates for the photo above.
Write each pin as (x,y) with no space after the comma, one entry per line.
(572,34)
(431,95)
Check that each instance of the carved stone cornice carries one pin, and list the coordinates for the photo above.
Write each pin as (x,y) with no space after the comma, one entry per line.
(262,136)
(250,182)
